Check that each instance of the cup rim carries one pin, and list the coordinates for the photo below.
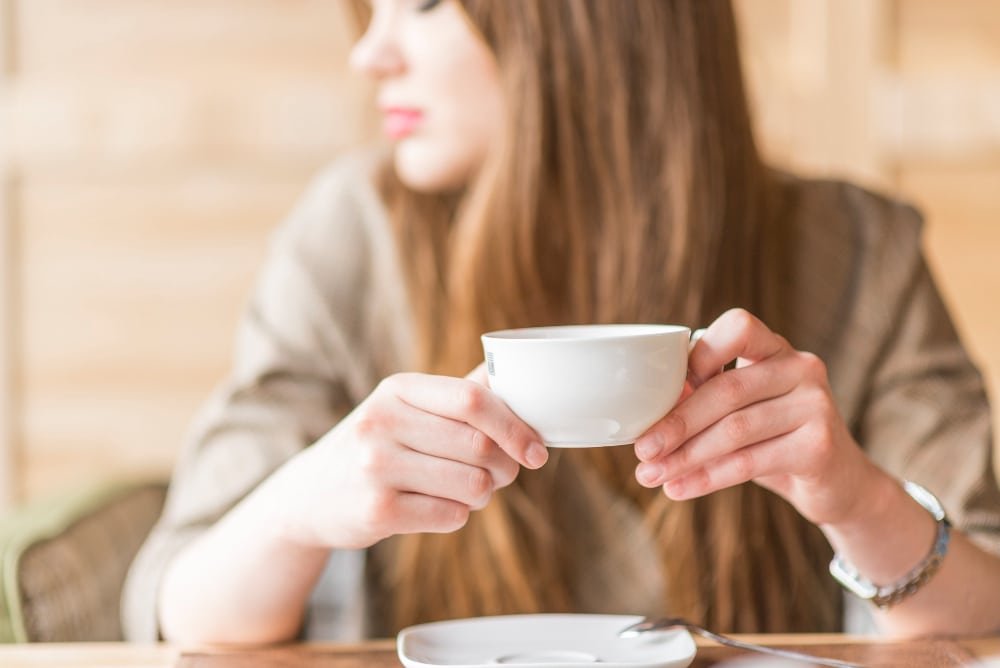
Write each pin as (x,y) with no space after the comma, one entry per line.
(575,333)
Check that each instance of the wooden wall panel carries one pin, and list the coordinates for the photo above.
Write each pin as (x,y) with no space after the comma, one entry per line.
(131,294)
(962,211)
(813,69)
(942,103)
(156,84)
(201,39)
(9,409)
(9,420)
(947,155)
(156,145)
(948,40)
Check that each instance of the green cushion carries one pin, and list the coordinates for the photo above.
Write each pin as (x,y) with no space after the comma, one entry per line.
(63,560)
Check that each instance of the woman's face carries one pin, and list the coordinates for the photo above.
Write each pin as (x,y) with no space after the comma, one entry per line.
(438,88)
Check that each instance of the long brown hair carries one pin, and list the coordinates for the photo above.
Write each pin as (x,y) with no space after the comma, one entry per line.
(626,188)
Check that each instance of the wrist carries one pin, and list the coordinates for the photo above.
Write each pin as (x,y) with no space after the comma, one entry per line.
(886,534)
(273,514)
(888,594)
(874,498)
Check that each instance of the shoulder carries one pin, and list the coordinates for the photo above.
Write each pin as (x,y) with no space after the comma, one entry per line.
(849,257)
(342,197)
(324,251)
(338,230)
(351,173)
(848,220)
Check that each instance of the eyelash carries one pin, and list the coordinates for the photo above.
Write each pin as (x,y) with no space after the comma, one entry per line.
(428,5)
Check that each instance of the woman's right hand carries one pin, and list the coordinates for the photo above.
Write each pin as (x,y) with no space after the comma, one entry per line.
(417,455)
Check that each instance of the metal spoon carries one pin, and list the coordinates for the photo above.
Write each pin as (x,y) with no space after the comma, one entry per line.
(651,624)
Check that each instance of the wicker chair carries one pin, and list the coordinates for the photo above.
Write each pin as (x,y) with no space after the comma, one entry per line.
(63,562)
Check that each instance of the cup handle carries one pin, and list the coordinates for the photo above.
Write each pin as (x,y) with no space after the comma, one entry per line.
(695,336)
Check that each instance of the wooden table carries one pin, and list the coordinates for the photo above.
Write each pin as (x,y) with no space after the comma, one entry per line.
(382,654)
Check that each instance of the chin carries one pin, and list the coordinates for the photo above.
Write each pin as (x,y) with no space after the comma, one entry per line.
(424,169)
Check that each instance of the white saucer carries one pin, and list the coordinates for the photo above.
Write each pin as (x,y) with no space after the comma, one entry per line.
(541,641)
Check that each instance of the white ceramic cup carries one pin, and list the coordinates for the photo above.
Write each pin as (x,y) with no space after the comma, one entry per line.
(582,386)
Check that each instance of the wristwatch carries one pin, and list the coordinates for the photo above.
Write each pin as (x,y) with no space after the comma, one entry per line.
(889,595)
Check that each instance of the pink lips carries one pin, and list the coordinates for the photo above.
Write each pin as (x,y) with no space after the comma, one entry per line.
(400,121)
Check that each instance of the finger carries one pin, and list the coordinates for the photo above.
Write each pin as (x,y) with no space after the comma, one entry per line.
(686,391)
(449,439)
(394,422)
(734,334)
(419,513)
(754,424)
(467,401)
(720,396)
(443,478)
(735,468)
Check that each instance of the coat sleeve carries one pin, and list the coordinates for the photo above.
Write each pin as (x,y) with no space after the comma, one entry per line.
(297,371)
(926,417)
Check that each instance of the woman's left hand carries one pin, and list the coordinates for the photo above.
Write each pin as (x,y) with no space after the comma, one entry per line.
(772,420)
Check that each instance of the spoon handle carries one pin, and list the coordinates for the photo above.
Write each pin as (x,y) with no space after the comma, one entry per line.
(774,651)
(650,624)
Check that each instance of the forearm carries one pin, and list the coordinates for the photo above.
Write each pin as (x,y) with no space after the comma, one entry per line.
(242,582)
(891,536)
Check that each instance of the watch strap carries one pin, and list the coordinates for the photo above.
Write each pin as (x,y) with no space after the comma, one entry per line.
(889,595)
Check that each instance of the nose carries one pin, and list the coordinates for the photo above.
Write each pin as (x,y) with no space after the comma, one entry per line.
(377,53)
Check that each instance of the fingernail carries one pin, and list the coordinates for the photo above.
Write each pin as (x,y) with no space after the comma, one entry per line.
(537,455)
(649,446)
(649,474)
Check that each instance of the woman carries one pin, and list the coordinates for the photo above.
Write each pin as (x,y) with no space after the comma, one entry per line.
(560,161)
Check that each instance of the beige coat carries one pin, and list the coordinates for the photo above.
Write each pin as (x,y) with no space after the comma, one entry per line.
(329,318)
